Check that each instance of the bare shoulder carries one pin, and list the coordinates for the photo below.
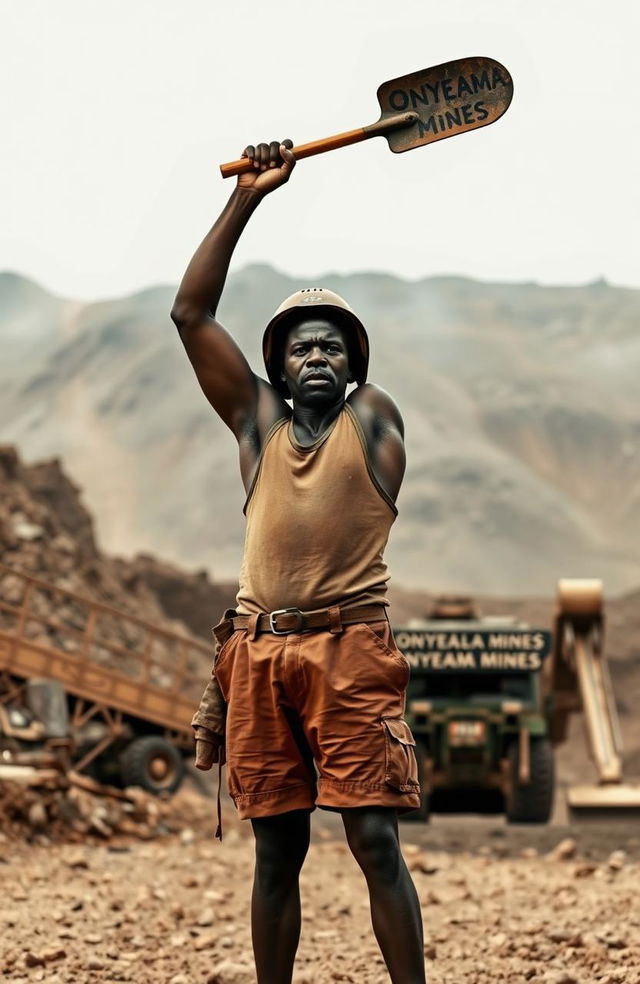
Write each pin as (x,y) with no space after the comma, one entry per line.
(383,430)
(376,410)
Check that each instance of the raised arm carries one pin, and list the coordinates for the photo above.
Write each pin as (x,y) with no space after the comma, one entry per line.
(222,370)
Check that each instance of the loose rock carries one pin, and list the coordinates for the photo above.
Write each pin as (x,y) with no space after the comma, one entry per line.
(565,850)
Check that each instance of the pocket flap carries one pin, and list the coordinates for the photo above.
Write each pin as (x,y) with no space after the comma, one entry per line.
(400,730)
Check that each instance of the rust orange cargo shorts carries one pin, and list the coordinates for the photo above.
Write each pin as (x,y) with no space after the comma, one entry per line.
(316,718)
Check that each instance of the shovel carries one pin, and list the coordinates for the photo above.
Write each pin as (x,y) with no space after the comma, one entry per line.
(421,108)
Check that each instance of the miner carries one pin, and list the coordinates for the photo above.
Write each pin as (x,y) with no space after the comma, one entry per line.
(306,670)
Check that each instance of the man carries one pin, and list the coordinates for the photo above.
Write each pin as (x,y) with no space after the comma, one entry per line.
(308,668)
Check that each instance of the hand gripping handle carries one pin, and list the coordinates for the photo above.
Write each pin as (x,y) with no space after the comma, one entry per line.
(384,125)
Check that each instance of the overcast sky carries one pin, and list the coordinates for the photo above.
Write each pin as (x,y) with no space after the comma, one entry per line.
(117,113)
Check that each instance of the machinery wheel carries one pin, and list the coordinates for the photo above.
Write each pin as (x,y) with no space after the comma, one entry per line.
(532,803)
(421,814)
(152,763)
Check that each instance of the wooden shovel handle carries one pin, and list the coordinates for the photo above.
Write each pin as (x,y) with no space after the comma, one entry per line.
(329,143)
(304,150)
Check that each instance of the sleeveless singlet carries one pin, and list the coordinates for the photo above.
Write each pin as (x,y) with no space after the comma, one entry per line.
(317,523)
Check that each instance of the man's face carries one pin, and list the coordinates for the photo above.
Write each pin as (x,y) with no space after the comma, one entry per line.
(316,362)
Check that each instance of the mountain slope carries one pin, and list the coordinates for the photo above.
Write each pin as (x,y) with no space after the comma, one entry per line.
(520,404)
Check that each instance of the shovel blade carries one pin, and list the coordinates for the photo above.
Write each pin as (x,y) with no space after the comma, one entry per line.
(449,99)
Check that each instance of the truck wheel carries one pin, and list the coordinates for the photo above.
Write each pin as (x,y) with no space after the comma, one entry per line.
(152,763)
(421,814)
(532,803)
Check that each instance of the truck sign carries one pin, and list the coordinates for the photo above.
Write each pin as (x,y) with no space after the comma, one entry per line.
(476,650)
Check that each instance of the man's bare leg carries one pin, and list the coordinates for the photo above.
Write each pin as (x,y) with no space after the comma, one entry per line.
(372,835)
(281,846)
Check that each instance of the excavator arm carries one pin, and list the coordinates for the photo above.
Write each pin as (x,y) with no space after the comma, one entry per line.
(580,680)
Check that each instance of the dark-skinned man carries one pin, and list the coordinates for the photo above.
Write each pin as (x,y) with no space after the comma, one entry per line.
(306,670)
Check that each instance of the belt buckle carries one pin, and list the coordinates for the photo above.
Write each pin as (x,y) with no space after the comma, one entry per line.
(285,611)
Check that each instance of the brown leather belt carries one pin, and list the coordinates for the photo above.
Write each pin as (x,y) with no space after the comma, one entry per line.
(286,620)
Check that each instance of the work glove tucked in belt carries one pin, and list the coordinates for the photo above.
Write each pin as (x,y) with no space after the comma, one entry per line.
(208,724)
(209,720)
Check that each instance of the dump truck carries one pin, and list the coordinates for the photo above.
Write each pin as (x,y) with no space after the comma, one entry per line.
(89,688)
(489,701)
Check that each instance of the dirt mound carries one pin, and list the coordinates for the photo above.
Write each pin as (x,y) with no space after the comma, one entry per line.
(193,599)
(71,808)
(46,531)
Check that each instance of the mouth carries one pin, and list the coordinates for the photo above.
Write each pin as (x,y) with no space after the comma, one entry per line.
(317,377)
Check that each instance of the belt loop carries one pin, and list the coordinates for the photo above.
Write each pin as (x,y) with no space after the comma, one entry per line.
(335,622)
(252,627)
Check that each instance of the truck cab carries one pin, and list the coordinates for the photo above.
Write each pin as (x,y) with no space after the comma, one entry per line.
(476,707)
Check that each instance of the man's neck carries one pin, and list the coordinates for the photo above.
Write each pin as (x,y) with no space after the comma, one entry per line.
(310,422)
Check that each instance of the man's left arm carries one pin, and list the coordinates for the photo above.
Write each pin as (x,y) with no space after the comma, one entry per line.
(383,428)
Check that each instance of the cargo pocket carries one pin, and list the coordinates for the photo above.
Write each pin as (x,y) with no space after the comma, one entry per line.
(401,769)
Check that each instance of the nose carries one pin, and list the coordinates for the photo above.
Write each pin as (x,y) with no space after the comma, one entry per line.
(316,357)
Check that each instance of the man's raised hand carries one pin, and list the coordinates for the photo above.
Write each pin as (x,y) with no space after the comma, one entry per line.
(272,166)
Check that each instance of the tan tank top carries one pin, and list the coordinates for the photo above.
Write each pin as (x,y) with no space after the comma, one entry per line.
(317,523)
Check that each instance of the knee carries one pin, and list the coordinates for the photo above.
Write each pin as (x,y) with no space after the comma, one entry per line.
(377,851)
(278,864)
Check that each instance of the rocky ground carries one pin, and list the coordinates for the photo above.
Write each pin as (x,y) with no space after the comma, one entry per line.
(498,905)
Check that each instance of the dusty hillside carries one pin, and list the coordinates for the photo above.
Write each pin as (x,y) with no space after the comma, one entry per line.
(520,404)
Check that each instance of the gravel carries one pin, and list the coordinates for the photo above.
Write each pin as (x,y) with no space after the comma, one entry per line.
(176,909)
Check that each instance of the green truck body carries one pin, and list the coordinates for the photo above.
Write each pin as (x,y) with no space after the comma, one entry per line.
(477,707)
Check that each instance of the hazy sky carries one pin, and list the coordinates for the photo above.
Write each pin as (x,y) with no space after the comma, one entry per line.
(117,113)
